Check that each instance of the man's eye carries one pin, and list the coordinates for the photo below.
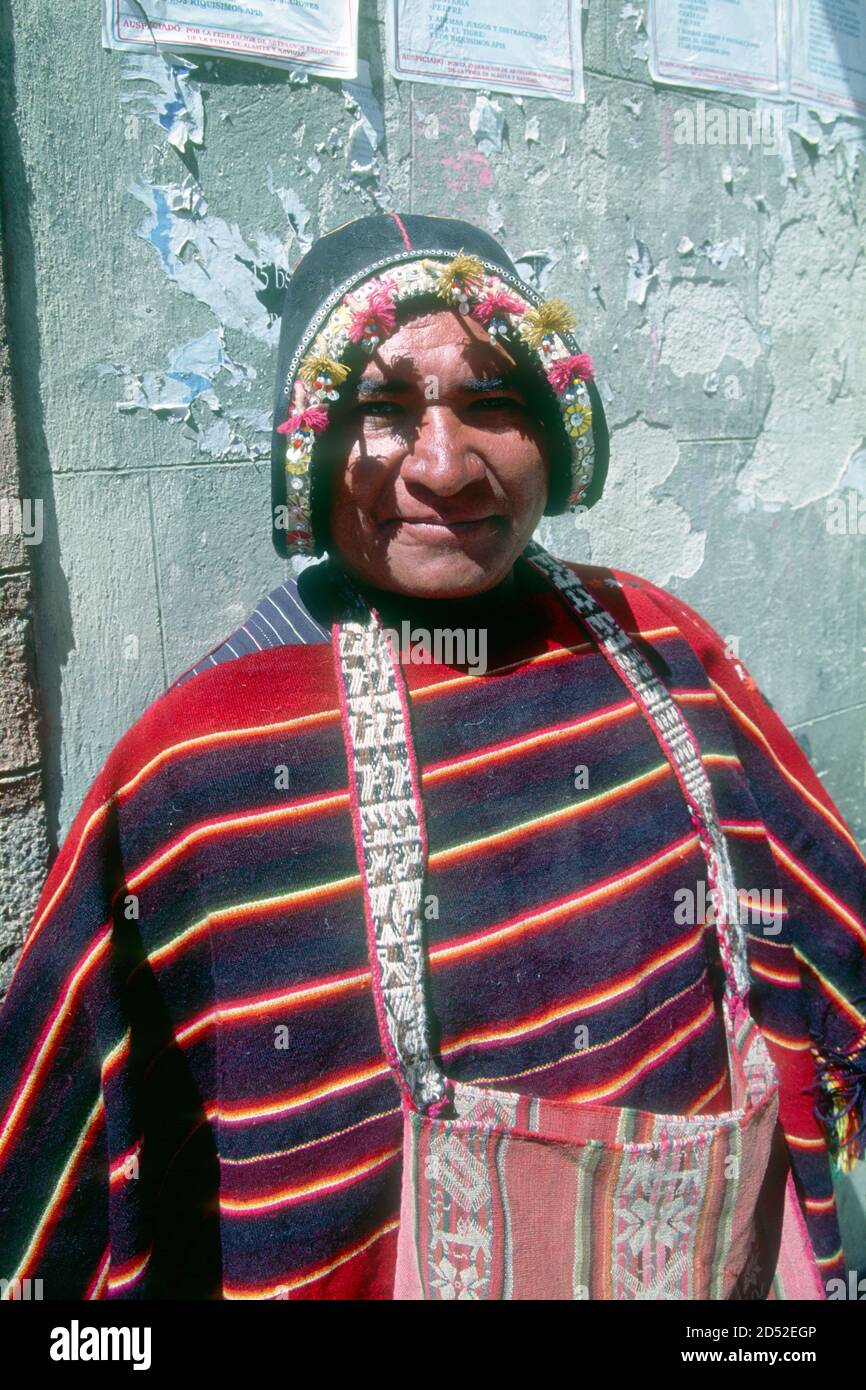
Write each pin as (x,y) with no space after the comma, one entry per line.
(386,409)
(498,403)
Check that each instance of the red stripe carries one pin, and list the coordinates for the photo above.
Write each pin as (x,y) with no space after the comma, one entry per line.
(404,234)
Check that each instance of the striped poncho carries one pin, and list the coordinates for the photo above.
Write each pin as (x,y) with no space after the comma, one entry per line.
(194,1100)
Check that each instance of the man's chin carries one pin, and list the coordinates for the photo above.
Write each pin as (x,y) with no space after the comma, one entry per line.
(442,574)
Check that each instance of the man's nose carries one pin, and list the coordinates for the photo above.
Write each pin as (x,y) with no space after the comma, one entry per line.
(443,458)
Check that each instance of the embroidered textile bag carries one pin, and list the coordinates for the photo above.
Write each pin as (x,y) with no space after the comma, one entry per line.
(511,1196)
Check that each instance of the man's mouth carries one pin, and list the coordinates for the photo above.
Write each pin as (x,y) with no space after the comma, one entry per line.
(439,530)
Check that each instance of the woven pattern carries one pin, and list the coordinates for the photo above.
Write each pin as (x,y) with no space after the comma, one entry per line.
(391,846)
(517,1196)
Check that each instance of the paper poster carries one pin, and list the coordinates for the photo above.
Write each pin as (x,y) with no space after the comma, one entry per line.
(526,47)
(723,45)
(320,35)
(828,54)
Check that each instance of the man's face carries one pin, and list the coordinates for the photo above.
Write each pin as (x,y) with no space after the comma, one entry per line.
(440,477)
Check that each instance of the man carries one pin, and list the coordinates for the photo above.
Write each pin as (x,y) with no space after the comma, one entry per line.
(348,879)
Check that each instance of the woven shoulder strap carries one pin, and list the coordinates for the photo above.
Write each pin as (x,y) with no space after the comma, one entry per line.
(388,815)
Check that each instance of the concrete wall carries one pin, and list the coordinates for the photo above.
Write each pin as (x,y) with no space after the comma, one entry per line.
(23,837)
(152,214)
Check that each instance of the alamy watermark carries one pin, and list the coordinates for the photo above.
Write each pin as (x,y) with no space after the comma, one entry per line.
(77,1343)
(444,646)
(758,907)
(22,516)
(20,1290)
(846,514)
(702,124)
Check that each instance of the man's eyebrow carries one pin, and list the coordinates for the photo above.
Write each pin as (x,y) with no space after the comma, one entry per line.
(507,380)
(372,386)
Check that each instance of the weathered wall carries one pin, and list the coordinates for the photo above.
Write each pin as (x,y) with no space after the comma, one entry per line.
(23,837)
(151,218)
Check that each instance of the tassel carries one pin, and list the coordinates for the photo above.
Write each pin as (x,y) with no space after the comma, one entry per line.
(840,1101)
(461,277)
(561,373)
(313,418)
(374,320)
(313,368)
(551,316)
(497,302)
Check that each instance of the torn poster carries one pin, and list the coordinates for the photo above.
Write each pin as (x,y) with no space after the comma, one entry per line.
(723,45)
(528,48)
(828,54)
(319,35)
(168,97)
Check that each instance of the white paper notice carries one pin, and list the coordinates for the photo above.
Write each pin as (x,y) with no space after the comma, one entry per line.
(828,54)
(526,47)
(724,45)
(321,35)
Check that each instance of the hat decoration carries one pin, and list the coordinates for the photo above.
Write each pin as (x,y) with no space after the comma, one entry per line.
(367,314)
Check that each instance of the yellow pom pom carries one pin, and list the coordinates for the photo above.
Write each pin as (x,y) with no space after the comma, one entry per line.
(312,367)
(551,316)
(463,273)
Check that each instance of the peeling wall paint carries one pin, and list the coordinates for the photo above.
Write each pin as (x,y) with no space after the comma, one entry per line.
(169,97)
(209,258)
(670,547)
(703,324)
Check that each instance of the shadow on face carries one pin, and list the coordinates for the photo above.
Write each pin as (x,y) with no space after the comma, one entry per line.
(436,462)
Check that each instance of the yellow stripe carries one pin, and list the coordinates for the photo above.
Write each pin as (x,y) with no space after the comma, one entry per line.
(820,1204)
(122,1281)
(248,821)
(308,1143)
(564,813)
(579,1005)
(830,1259)
(237,910)
(95,1116)
(235,1205)
(511,1077)
(36,1066)
(617,1083)
(819,806)
(777,976)
(580,900)
(802,873)
(789,1044)
(459,950)
(831,989)
(267,1110)
(174,749)
(286,1286)
(800,1143)
(442,857)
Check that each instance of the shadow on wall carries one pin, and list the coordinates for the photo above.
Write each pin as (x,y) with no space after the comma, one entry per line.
(36,479)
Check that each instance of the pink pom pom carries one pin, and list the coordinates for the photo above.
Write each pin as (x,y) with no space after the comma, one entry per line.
(314,418)
(496,302)
(562,373)
(379,312)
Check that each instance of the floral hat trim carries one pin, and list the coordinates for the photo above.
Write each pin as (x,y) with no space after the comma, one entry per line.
(364,312)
